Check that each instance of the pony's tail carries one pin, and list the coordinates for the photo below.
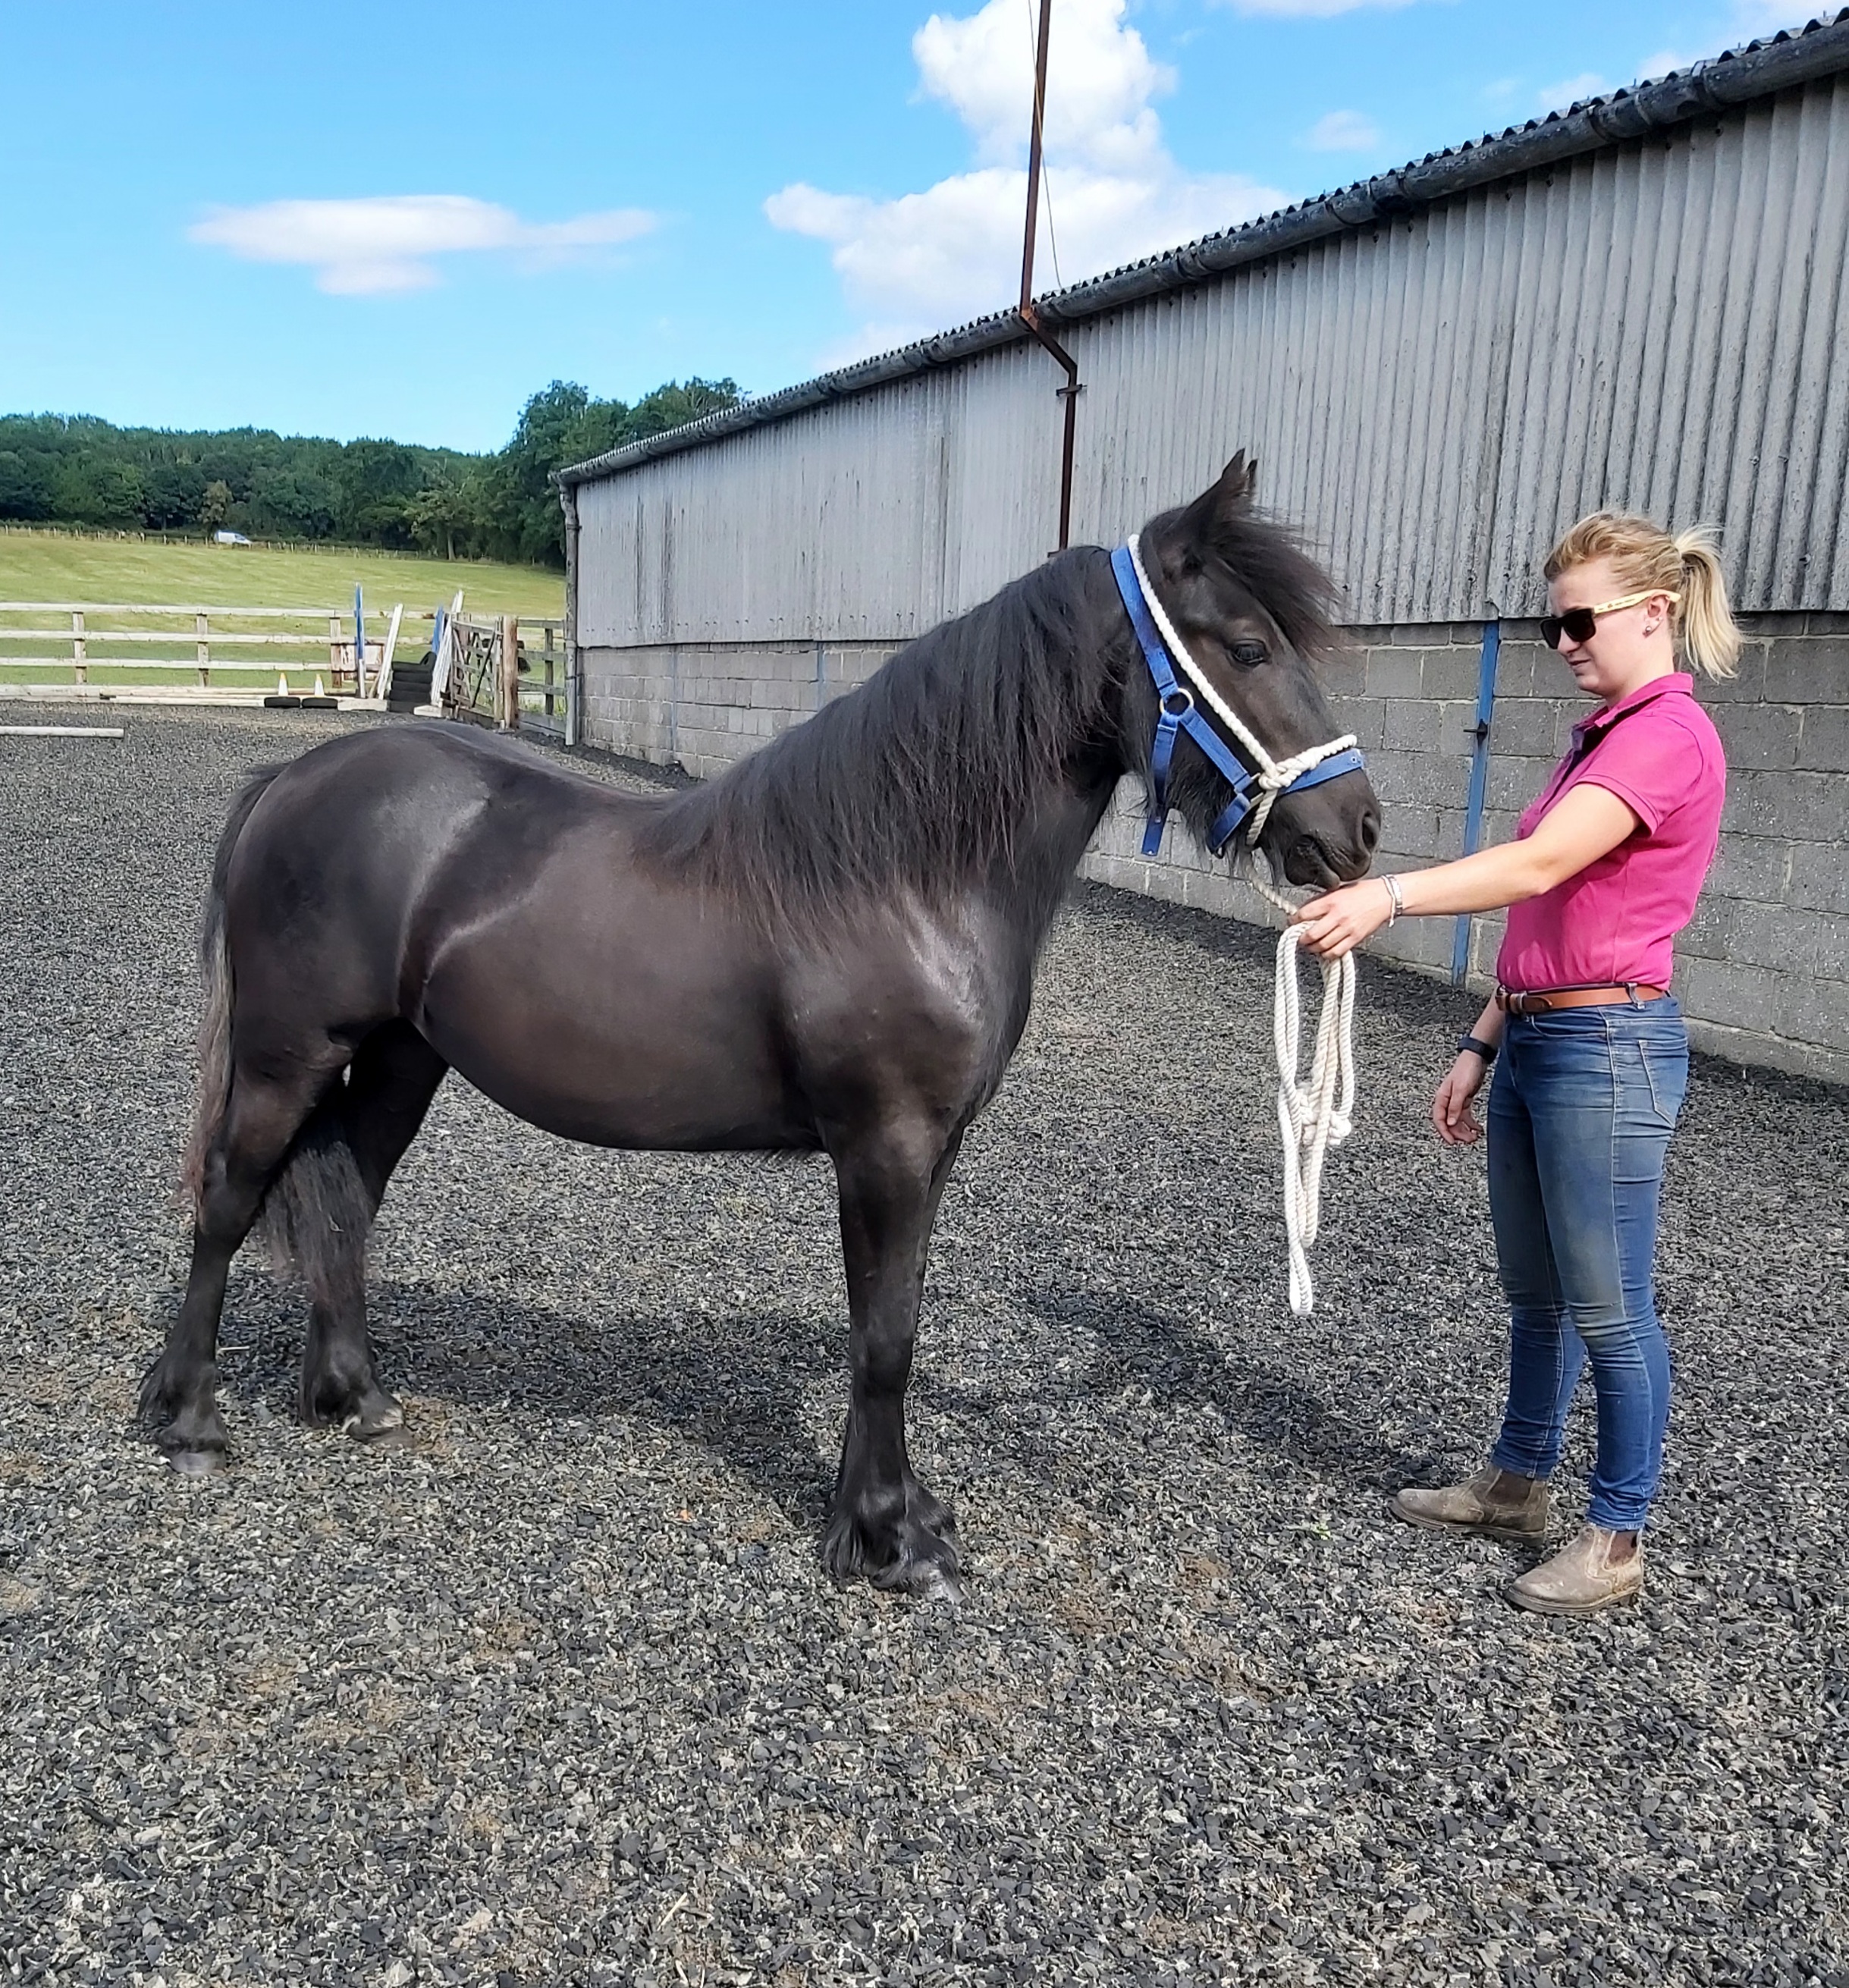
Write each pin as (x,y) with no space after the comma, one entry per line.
(212,1093)
(316,1213)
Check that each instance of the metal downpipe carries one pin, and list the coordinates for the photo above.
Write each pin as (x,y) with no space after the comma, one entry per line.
(1479,784)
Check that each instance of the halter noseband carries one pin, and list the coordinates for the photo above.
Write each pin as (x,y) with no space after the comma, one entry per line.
(1179,712)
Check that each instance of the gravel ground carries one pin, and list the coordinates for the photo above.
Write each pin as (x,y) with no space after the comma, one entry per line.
(560,1692)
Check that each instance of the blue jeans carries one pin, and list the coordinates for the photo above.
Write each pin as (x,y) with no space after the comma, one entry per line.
(1580,1112)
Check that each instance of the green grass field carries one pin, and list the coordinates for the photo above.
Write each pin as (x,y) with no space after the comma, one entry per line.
(62,566)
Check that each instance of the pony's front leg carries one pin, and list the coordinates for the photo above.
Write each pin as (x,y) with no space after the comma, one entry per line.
(883,1523)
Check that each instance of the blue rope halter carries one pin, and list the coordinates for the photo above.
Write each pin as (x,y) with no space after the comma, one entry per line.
(1178,712)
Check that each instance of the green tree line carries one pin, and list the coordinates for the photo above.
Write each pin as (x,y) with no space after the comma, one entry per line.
(74,469)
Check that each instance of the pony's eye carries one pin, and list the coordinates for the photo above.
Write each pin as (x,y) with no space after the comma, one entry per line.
(1249,652)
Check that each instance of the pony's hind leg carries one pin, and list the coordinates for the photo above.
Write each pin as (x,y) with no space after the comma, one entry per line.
(883,1523)
(179,1396)
(359,1136)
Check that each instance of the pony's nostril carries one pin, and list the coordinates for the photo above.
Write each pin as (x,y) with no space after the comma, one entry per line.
(1371,830)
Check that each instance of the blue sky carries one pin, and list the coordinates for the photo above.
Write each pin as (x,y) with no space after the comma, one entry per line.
(401,218)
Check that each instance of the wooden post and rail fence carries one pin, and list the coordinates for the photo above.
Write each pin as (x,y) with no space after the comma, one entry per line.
(487,671)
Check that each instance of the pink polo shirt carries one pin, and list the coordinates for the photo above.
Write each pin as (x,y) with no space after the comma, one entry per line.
(1659,752)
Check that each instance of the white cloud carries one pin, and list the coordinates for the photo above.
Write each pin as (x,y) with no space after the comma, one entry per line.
(1101,77)
(930,259)
(1750,20)
(1755,18)
(1307,10)
(359,248)
(1343,131)
(1663,62)
(1562,96)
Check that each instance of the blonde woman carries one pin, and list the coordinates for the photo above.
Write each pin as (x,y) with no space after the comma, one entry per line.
(1591,1055)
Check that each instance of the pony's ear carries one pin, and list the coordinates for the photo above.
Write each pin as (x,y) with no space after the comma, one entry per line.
(1239,481)
(1232,492)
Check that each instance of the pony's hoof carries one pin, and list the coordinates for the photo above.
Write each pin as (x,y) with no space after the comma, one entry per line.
(191,1438)
(917,1554)
(196,1462)
(379,1423)
(925,1580)
(363,1410)
(394,1435)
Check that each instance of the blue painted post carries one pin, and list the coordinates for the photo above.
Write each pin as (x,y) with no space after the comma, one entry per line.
(359,640)
(1479,784)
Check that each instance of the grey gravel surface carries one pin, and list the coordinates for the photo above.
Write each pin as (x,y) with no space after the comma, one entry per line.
(559,1691)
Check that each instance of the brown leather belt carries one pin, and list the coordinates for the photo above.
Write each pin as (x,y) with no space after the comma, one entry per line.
(1543,1001)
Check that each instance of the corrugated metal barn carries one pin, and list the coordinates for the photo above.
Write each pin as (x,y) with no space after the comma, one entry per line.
(1637,303)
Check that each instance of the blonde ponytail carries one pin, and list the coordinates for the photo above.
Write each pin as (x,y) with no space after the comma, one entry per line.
(1686,567)
(1706,631)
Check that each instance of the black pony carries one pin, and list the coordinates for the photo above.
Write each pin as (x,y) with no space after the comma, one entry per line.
(831,946)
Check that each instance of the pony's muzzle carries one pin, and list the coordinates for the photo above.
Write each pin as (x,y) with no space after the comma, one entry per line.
(1326,835)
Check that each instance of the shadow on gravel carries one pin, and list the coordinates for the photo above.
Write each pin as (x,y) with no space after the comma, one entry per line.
(1177,1364)
(732,1383)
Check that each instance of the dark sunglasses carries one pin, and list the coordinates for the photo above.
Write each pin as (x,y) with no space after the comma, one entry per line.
(1579,623)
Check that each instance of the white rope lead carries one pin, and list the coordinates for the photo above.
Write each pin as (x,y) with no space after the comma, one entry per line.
(1316,1115)
(1312,1117)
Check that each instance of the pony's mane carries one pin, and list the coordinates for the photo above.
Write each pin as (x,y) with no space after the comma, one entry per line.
(919,777)
(923,776)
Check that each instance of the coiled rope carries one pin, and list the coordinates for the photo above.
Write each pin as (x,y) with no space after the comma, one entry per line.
(1316,1113)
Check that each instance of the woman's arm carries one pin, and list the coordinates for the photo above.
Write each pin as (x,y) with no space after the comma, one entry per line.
(1588,823)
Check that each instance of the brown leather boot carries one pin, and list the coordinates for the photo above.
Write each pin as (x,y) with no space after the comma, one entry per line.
(1596,1570)
(1495,1501)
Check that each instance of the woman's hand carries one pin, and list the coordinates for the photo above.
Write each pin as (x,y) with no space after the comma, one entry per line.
(1451,1111)
(1337,922)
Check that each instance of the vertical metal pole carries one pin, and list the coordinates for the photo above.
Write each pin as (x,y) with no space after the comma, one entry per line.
(1030,316)
(439,658)
(1479,784)
(1033,157)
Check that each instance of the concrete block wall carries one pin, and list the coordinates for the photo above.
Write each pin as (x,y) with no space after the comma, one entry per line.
(1763,970)
(701,705)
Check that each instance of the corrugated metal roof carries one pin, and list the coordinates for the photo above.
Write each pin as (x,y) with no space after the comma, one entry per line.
(1736,77)
(1649,325)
